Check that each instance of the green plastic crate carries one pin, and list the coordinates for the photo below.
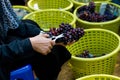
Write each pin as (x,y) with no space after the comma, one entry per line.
(112,25)
(96,41)
(50,4)
(51,18)
(99,77)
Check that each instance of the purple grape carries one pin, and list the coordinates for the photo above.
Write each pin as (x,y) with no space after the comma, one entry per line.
(70,33)
(87,13)
(87,54)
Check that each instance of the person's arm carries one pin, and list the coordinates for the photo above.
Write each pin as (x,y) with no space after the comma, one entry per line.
(15,49)
(27,28)
(26,47)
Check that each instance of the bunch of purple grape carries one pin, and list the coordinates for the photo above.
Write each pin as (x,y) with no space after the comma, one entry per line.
(70,34)
(87,54)
(88,13)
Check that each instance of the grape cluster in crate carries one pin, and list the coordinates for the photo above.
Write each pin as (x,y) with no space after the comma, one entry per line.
(88,13)
(87,54)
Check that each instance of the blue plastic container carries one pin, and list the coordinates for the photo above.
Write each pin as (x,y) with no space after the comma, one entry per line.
(24,73)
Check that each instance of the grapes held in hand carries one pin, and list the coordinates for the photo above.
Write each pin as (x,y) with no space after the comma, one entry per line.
(70,33)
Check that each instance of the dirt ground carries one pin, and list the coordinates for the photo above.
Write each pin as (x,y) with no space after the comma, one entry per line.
(67,74)
(117,67)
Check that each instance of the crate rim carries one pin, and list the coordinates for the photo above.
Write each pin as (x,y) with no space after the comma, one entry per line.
(67,8)
(102,57)
(97,23)
(22,7)
(100,75)
(51,10)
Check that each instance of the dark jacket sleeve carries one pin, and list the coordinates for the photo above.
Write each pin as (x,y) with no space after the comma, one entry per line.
(15,49)
(27,28)
(17,42)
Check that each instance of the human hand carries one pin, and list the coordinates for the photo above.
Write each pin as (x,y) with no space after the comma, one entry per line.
(42,44)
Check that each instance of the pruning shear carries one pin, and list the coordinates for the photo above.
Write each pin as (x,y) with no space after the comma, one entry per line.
(54,38)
